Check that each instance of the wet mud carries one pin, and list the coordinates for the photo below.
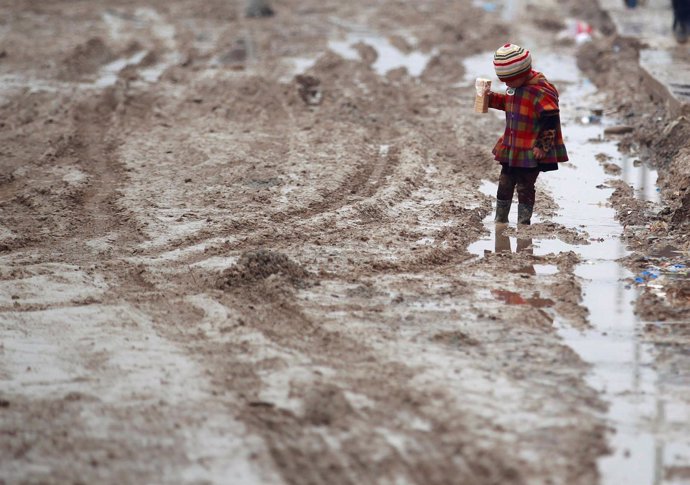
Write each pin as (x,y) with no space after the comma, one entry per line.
(261,250)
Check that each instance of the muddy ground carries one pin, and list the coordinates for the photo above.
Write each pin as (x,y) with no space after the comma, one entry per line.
(211,274)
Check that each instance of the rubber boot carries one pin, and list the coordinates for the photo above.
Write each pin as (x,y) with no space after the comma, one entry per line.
(524,214)
(502,210)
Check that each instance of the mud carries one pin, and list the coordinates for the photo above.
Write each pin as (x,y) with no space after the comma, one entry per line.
(258,250)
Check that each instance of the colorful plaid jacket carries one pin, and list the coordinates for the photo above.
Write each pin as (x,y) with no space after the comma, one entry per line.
(531,120)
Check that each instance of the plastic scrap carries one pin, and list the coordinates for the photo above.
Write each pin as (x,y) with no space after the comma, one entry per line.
(487,6)
(664,270)
(590,119)
(577,30)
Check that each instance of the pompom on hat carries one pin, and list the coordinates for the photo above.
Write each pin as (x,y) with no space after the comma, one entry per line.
(512,62)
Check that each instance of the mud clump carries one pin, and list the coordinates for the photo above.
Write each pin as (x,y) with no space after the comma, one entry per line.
(326,405)
(256,266)
(86,58)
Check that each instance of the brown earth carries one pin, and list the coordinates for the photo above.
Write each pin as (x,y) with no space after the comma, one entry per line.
(224,274)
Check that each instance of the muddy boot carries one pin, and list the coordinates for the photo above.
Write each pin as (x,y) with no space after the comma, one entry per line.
(502,210)
(524,214)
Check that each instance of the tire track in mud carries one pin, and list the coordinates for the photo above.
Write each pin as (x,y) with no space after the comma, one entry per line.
(98,152)
(363,183)
(326,438)
(334,399)
(302,438)
(357,191)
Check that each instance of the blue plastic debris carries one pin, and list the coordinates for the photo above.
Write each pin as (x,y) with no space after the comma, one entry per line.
(650,274)
(662,272)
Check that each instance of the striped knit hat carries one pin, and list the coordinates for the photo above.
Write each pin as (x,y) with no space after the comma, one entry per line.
(511,62)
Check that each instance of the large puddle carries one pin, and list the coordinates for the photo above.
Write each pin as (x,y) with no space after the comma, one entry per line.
(389,56)
(622,370)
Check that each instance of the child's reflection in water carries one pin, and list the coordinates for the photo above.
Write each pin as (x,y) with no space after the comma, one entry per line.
(502,244)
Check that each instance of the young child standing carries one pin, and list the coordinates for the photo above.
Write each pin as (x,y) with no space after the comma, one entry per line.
(532,141)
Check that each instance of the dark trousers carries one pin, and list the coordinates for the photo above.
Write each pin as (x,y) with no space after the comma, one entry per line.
(522,178)
(681,10)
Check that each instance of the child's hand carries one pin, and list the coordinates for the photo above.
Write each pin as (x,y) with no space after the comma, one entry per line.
(539,154)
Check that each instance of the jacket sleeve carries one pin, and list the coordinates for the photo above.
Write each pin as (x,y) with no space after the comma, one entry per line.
(497,101)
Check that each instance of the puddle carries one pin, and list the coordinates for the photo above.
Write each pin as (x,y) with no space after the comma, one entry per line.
(388,57)
(110,72)
(545,269)
(622,371)
(508,9)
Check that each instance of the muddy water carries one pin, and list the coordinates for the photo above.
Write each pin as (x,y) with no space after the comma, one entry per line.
(389,57)
(621,364)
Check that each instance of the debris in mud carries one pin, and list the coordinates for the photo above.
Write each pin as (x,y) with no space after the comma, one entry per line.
(236,56)
(309,89)
(663,270)
(590,120)
(258,8)
(255,266)
(618,130)
(611,168)
(455,338)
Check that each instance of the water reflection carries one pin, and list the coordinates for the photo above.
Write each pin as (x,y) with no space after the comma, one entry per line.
(502,242)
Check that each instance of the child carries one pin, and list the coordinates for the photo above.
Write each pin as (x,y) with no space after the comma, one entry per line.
(532,141)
